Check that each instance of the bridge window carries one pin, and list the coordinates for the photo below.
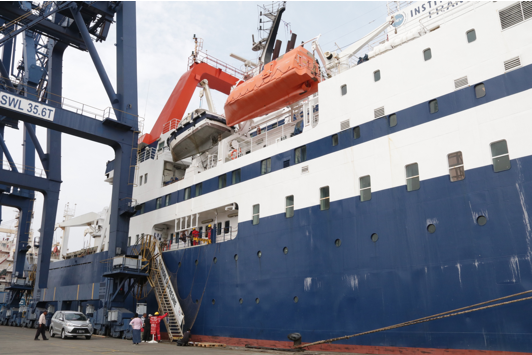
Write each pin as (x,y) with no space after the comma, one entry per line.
(324,198)
(427,54)
(290,206)
(392,120)
(300,154)
(236,176)
(158,203)
(334,140)
(344,89)
(356,132)
(222,181)
(412,177)
(480,90)
(433,106)
(198,189)
(167,200)
(265,166)
(365,188)
(256,210)
(456,166)
(187,193)
(471,36)
(500,156)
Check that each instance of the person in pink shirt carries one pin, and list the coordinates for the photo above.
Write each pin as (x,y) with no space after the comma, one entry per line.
(136,324)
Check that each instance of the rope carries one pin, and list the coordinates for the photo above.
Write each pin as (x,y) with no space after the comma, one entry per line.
(447,314)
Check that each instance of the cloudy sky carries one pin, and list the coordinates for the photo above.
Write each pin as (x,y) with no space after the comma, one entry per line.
(164,43)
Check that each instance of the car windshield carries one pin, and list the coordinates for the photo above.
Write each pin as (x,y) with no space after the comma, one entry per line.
(75,316)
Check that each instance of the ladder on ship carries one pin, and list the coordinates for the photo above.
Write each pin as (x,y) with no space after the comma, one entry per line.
(166,297)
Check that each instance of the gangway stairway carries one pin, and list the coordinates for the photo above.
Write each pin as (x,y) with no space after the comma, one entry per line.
(166,297)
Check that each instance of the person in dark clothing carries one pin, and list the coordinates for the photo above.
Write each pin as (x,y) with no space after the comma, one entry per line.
(147,327)
(185,339)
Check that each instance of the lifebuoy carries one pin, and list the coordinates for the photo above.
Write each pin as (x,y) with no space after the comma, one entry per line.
(234,154)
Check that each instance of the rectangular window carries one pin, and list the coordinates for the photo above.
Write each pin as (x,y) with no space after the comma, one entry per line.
(226,227)
(392,120)
(324,198)
(344,89)
(365,188)
(456,166)
(146,178)
(334,140)
(300,154)
(356,132)
(222,181)
(500,156)
(187,193)
(377,75)
(158,203)
(427,54)
(265,166)
(412,177)
(471,36)
(256,210)
(138,239)
(128,241)
(290,206)
(140,181)
(219,228)
(142,208)
(480,90)
(433,106)
(167,200)
(236,177)
(198,189)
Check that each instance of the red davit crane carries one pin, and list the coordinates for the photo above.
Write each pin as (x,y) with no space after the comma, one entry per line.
(178,101)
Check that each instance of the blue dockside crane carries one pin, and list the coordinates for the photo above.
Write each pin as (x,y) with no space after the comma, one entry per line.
(31,96)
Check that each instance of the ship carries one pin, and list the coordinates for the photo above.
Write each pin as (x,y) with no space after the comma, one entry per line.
(343,192)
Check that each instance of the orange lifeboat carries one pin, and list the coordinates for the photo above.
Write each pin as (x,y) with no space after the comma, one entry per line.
(283,81)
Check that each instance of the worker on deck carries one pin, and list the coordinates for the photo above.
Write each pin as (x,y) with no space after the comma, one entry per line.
(208,232)
(156,325)
(195,236)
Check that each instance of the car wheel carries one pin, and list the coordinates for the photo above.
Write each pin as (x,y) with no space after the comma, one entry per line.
(88,337)
(63,336)
(52,334)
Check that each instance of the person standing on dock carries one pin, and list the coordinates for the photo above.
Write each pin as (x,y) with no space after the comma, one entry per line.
(136,324)
(147,328)
(41,326)
(156,326)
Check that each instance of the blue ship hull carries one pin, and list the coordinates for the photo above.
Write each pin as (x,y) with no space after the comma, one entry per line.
(362,285)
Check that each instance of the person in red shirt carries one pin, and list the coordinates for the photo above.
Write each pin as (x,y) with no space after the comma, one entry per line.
(155,321)
(195,236)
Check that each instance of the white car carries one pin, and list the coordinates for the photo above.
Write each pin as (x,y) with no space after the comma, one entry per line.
(70,324)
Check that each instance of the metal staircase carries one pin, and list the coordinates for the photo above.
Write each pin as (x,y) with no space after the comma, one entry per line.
(166,298)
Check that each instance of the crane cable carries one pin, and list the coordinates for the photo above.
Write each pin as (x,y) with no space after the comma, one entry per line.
(447,314)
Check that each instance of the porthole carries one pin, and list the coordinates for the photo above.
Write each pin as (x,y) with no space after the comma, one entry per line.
(481,220)
(215,260)
(374,237)
(236,257)
(257,300)
(213,301)
(179,264)
(196,262)
(241,301)
(338,242)
(296,299)
(285,250)
(431,228)
(259,253)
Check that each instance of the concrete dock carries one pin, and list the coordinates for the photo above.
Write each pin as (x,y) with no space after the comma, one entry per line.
(14,340)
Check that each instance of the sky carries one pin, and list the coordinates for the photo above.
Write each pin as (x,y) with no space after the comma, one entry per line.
(164,43)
